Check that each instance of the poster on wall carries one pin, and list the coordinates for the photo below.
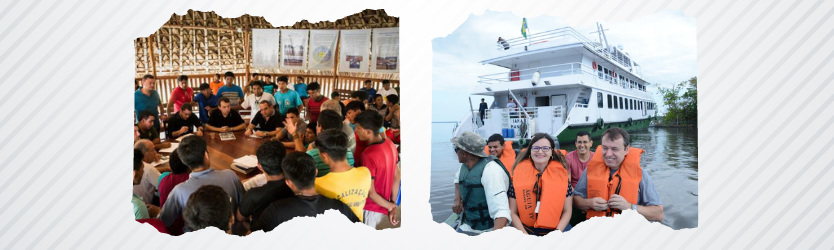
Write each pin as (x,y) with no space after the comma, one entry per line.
(322,49)
(294,49)
(265,48)
(354,49)
(386,50)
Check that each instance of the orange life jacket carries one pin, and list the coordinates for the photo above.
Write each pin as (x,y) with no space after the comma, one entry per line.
(507,156)
(627,179)
(554,187)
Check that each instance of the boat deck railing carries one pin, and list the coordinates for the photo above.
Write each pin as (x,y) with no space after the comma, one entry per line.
(567,35)
(544,71)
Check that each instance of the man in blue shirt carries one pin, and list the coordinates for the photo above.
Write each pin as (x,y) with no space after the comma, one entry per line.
(301,88)
(207,102)
(371,91)
(231,91)
(286,98)
(147,99)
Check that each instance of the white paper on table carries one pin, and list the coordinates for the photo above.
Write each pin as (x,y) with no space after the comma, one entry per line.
(247,161)
(170,149)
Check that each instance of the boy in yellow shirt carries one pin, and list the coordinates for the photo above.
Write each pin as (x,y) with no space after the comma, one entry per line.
(345,183)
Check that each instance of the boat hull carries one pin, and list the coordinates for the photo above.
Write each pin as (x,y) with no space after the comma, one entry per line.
(569,134)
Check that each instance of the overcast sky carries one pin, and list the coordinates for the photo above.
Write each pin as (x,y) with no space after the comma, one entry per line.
(663,44)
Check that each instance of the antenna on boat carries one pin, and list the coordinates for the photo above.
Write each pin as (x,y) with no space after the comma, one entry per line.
(602,39)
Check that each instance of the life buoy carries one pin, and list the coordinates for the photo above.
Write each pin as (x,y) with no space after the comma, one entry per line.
(542,211)
(595,65)
(600,123)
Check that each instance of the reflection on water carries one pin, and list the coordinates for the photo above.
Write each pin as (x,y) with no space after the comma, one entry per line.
(671,159)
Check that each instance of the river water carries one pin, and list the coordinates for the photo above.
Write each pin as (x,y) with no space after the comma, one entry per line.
(671,159)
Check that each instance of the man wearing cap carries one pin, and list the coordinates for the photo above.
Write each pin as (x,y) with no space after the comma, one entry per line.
(480,187)
(207,101)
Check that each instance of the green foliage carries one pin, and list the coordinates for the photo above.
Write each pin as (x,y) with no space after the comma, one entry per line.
(681,102)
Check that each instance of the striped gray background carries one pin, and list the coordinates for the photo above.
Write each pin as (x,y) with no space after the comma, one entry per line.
(766,104)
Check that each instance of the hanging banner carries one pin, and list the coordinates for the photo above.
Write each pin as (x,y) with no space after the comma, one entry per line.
(386,50)
(322,49)
(294,49)
(265,48)
(354,49)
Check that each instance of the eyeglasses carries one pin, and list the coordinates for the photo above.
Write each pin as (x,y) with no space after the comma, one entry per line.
(457,149)
(537,148)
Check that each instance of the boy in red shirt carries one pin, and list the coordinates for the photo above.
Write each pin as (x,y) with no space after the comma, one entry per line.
(380,157)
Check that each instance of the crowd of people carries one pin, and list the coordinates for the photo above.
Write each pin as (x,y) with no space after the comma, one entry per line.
(541,188)
(316,154)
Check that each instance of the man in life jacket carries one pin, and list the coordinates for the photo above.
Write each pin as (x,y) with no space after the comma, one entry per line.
(481,186)
(614,181)
(496,146)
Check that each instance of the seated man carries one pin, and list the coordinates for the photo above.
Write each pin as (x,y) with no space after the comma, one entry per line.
(207,101)
(294,119)
(328,119)
(168,180)
(208,206)
(599,193)
(380,157)
(193,152)
(353,109)
(147,130)
(183,122)
(393,115)
(149,183)
(224,120)
(300,176)
(266,122)
(270,154)
(140,210)
(345,183)
(503,150)
(257,96)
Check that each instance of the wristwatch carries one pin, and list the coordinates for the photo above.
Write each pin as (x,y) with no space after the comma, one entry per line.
(634,207)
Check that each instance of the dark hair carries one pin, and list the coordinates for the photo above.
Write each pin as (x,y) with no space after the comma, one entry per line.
(362,95)
(284,79)
(557,154)
(226,100)
(144,114)
(293,110)
(368,81)
(146,77)
(583,133)
(177,167)
(330,119)
(312,126)
(266,102)
(255,74)
(354,105)
(204,86)
(268,76)
(209,206)
(182,78)
(137,159)
(394,99)
(617,133)
(256,83)
(386,82)
(229,74)
(334,143)
(217,75)
(313,86)
(369,120)
(378,96)
(334,94)
(269,155)
(185,106)
(496,137)
(300,169)
(191,151)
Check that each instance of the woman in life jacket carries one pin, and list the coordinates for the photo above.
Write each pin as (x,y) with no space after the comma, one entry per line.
(540,192)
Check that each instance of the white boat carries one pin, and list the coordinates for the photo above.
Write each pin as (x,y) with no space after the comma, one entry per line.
(563,83)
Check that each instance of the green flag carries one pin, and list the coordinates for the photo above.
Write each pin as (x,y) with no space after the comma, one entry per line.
(524,27)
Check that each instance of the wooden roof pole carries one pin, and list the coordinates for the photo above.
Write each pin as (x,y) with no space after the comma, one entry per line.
(246,53)
(150,54)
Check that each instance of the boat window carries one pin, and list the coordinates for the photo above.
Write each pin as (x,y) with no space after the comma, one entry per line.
(609,101)
(599,100)
(621,102)
(599,69)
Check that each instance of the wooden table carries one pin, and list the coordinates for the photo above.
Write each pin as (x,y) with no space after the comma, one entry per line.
(223,153)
